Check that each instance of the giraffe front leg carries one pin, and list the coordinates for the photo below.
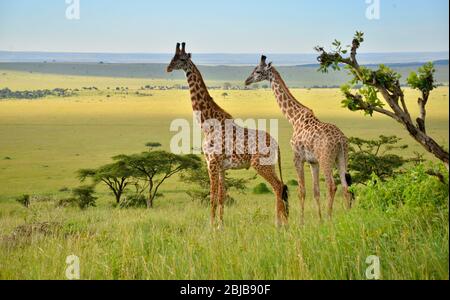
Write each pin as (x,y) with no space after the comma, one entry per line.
(214,181)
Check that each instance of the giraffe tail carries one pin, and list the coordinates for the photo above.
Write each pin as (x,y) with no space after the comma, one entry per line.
(285,193)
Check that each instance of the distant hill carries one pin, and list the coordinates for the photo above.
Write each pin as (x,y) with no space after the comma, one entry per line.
(229,59)
(295,76)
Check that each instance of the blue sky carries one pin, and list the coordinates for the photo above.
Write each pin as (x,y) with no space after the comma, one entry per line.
(221,26)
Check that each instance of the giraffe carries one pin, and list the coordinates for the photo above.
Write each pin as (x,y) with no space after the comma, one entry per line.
(320,144)
(244,151)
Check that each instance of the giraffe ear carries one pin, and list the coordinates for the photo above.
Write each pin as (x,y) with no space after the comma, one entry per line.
(269,66)
(190,55)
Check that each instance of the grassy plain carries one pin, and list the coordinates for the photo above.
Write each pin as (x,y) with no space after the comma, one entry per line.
(48,140)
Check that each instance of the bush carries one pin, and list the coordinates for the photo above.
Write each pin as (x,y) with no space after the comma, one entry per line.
(200,179)
(24,200)
(66,202)
(293,182)
(84,196)
(134,201)
(367,157)
(415,189)
(261,189)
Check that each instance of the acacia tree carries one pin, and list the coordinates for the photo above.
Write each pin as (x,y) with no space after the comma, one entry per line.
(115,176)
(386,82)
(154,168)
(152,145)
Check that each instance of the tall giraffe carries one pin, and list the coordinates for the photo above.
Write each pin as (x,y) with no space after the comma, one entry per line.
(245,150)
(321,145)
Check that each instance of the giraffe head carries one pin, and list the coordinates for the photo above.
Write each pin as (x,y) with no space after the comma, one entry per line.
(260,73)
(181,60)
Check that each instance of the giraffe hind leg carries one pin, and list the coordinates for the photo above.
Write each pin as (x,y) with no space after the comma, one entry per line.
(346,180)
(269,174)
(331,185)
(315,171)
(299,166)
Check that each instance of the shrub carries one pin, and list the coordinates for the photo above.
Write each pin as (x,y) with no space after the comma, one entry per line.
(201,191)
(293,182)
(415,189)
(367,157)
(67,202)
(64,189)
(84,196)
(261,189)
(134,201)
(24,200)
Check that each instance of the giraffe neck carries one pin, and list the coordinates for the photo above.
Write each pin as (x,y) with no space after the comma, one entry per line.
(202,102)
(293,110)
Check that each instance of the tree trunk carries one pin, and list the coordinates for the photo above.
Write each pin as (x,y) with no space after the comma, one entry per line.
(429,144)
(150,197)
(118,196)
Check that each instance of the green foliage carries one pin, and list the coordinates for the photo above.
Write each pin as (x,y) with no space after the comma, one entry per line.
(134,201)
(200,179)
(84,196)
(147,171)
(366,101)
(423,80)
(415,189)
(24,200)
(115,176)
(261,189)
(293,182)
(67,202)
(6,93)
(368,157)
(153,145)
(370,80)
(152,169)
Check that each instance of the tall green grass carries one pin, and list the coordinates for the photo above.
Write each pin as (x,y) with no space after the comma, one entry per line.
(174,241)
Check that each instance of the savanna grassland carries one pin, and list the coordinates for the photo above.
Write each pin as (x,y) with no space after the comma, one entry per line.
(44,142)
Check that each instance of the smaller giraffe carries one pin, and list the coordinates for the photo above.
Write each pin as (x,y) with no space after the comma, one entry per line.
(320,144)
(228,146)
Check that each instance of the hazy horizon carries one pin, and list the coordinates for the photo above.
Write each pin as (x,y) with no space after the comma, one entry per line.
(212,58)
